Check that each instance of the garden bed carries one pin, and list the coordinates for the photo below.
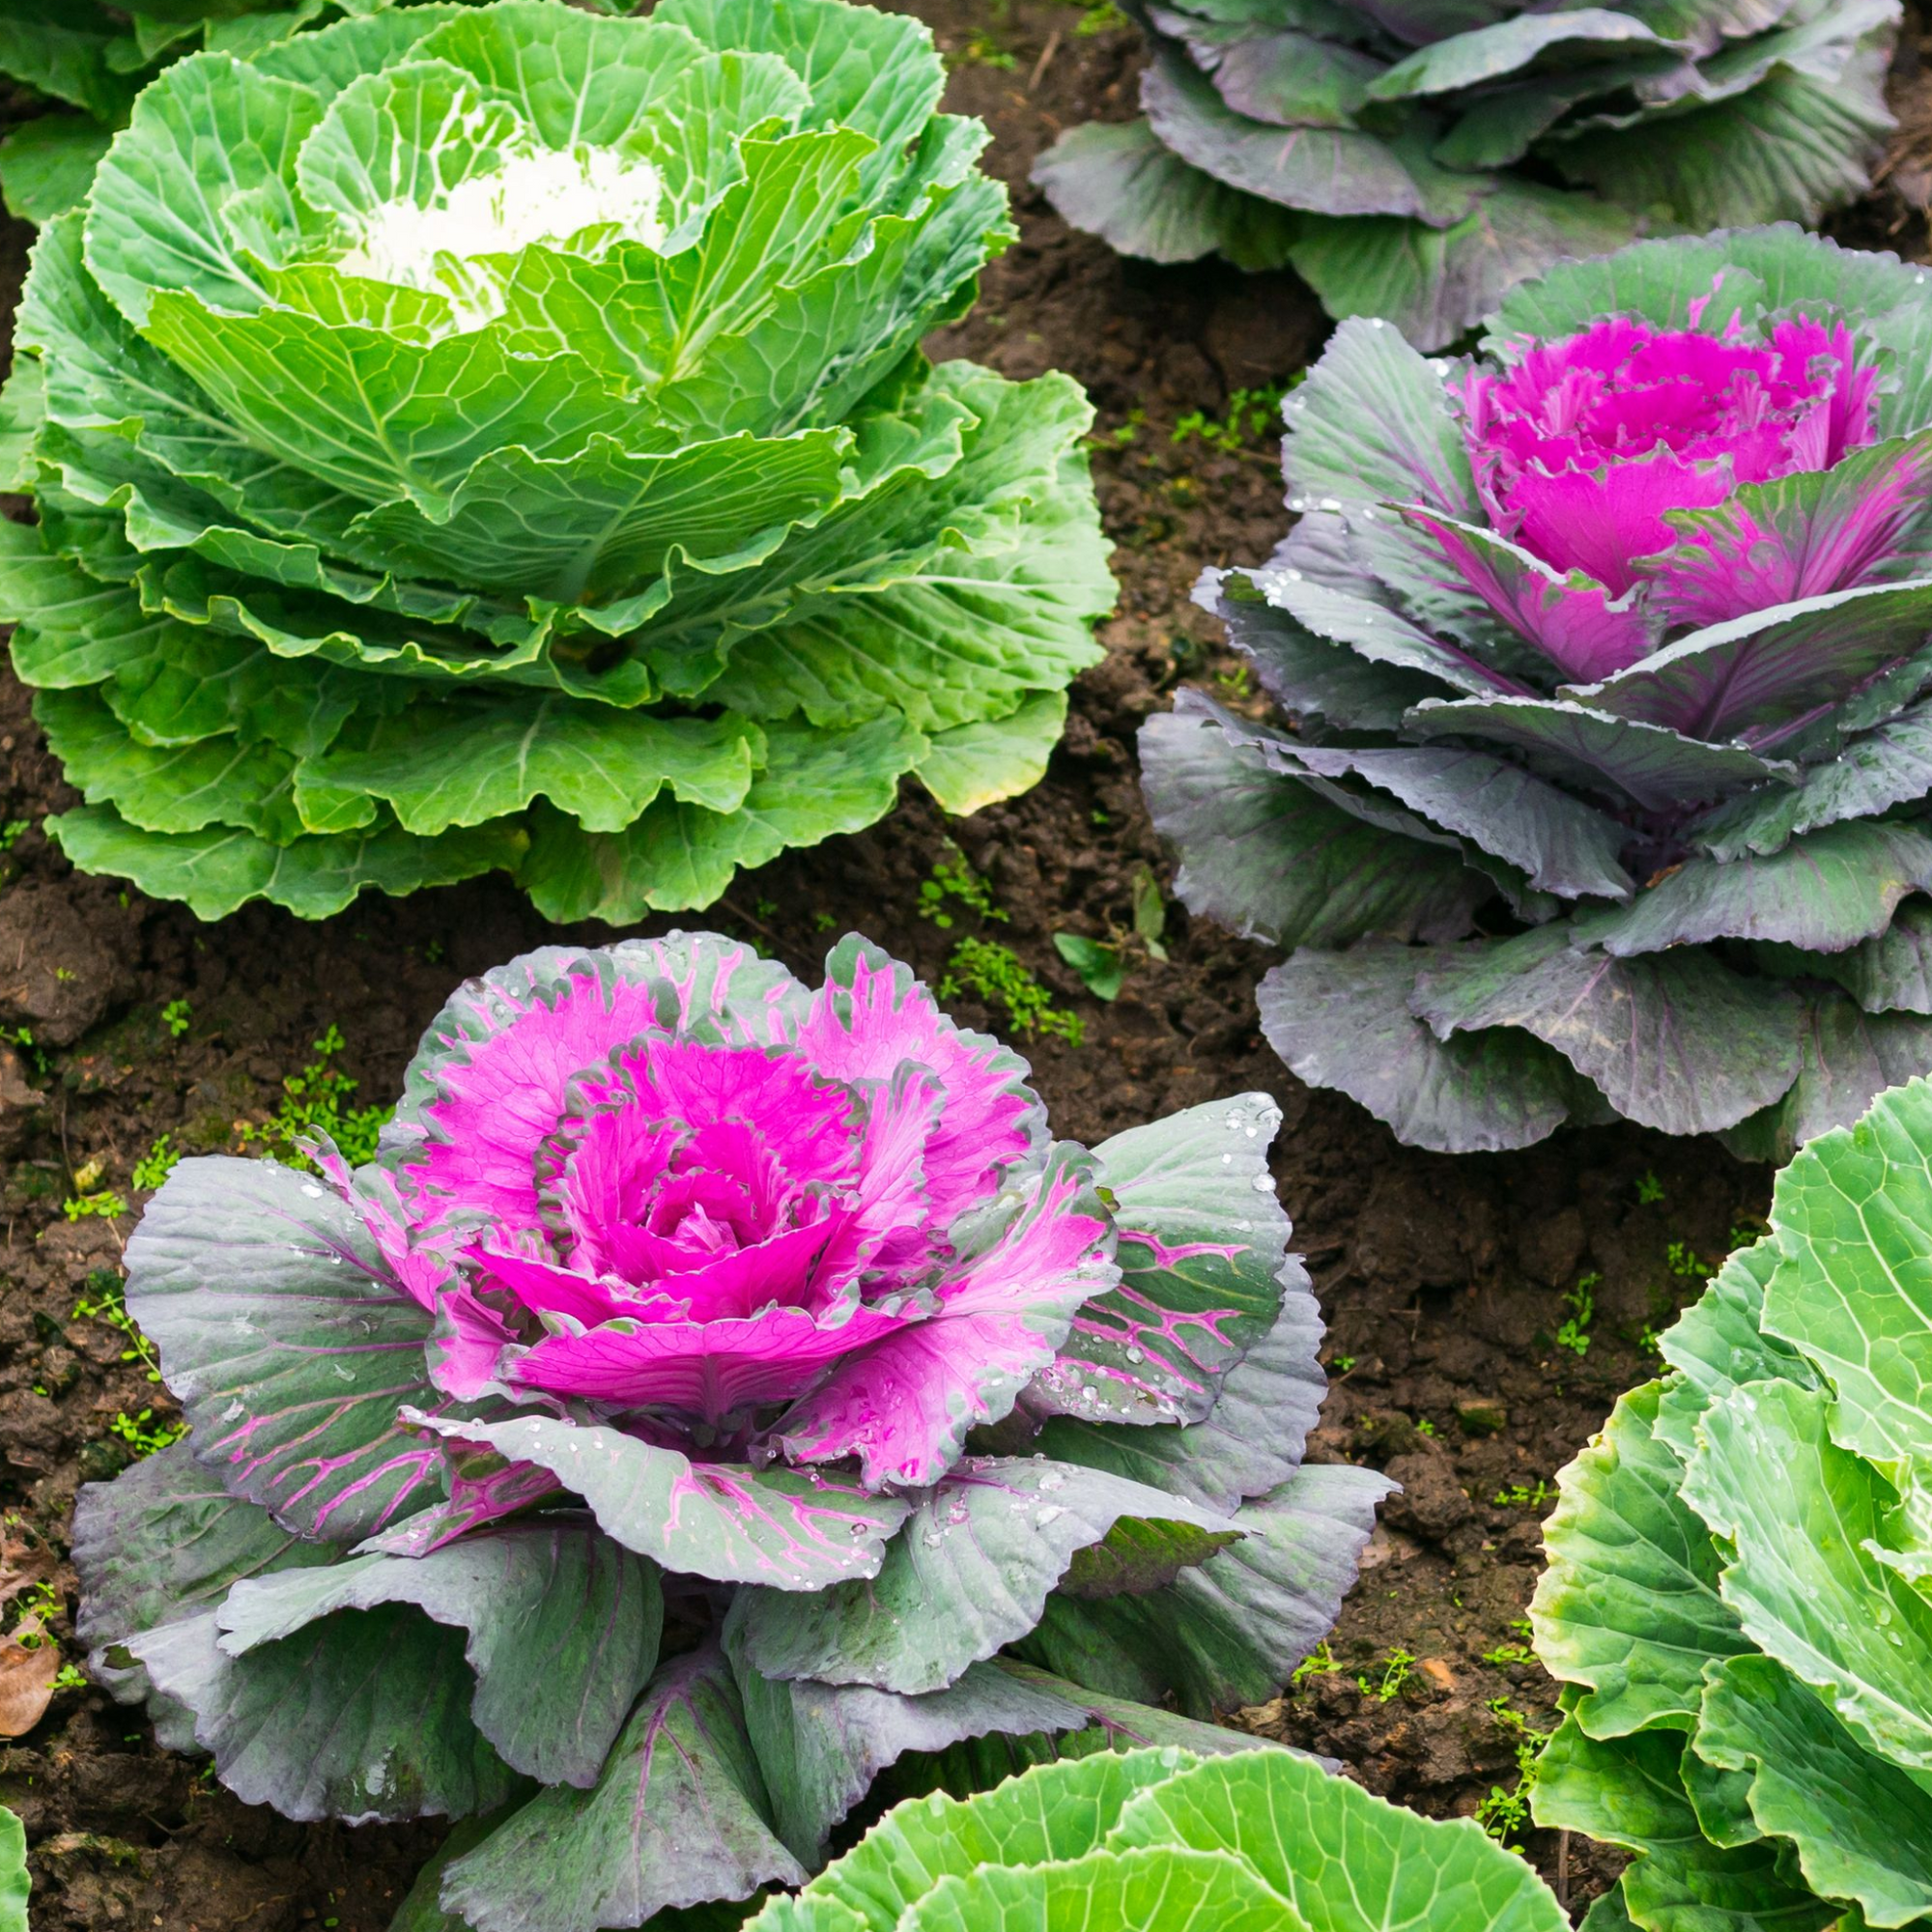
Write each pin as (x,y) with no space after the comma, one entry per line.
(1484,1312)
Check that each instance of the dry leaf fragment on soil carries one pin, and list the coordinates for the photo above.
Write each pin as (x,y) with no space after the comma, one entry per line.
(27,1673)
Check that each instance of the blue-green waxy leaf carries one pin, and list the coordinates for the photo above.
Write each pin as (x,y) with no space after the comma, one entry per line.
(726,1520)
(1198,1287)
(1673,1040)
(1347,1020)
(289,1345)
(360,1716)
(1228,1631)
(562,1630)
(678,1816)
(971,1572)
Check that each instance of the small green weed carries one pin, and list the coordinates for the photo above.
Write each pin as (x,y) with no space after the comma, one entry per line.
(102,1203)
(1318,1663)
(955,879)
(1099,17)
(1523,1496)
(1396,1674)
(105,1299)
(314,1101)
(1505,1815)
(1101,969)
(11,833)
(1506,1654)
(1424,1427)
(157,1164)
(998,976)
(175,1016)
(1252,415)
(1582,1302)
(143,1435)
(982,50)
(1680,1260)
(1649,1190)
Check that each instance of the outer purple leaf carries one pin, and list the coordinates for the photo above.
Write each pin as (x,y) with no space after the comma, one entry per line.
(358,1717)
(1849,1059)
(1890,972)
(1759,676)
(1436,284)
(1229,1632)
(1202,1250)
(1279,75)
(1309,674)
(970,1573)
(679,1816)
(1619,758)
(1024,1266)
(1494,52)
(1372,423)
(1250,1444)
(1129,1726)
(561,1626)
(1889,765)
(1332,169)
(1571,618)
(1117,181)
(1823,892)
(1271,859)
(1798,536)
(1560,843)
(289,1343)
(821,1744)
(1673,1040)
(1344,1020)
(164,1541)
(719,1519)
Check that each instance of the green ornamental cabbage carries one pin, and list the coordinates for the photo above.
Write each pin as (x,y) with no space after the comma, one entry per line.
(1161,1839)
(1737,1592)
(1412,159)
(496,435)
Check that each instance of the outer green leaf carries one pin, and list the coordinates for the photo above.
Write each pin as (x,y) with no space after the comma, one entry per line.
(15,1886)
(1341,1857)
(1805,1517)
(679,1816)
(1179,1891)
(1629,1604)
(1862,1827)
(46,165)
(970,766)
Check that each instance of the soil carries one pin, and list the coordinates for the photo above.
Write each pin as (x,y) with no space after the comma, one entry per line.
(1484,1312)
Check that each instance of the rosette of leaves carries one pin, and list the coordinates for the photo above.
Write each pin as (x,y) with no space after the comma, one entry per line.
(1603,788)
(1736,1595)
(715,1392)
(1413,158)
(1263,1841)
(496,435)
(88,61)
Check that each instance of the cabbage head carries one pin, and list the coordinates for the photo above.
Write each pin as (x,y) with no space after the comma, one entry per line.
(716,1392)
(1412,159)
(1606,785)
(1736,1594)
(1170,1840)
(497,436)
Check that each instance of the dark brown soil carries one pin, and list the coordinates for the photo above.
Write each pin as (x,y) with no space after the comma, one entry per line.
(1446,1283)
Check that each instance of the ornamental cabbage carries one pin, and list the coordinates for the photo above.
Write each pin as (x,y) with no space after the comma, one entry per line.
(1413,158)
(1170,1841)
(714,1391)
(1736,1597)
(496,435)
(1603,787)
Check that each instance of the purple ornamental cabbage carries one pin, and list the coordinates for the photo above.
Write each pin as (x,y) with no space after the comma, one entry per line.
(715,1392)
(1413,158)
(1603,787)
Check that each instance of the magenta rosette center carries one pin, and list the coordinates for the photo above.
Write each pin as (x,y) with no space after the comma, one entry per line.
(818,1226)
(1584,446)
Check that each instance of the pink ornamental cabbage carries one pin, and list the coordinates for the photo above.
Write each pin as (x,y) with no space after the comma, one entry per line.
(744,1373)
(1606,785)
